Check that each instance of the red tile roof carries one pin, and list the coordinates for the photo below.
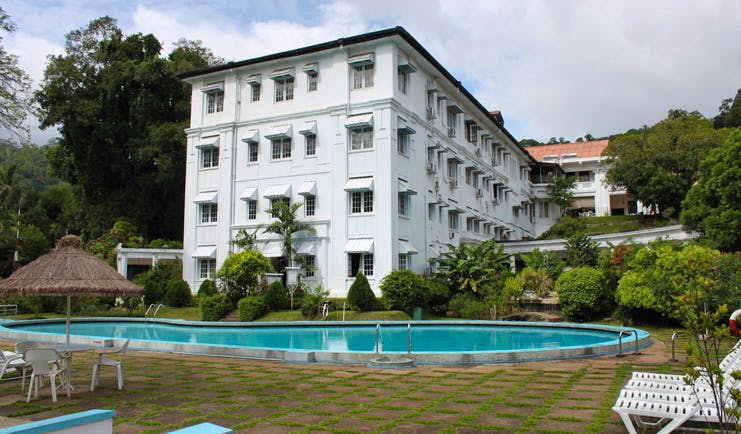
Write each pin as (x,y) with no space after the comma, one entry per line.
(581,149)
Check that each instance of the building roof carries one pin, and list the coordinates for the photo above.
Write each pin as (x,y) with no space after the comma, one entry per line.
(589,149)
(495,117)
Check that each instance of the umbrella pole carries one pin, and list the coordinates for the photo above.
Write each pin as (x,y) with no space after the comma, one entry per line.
(69,308)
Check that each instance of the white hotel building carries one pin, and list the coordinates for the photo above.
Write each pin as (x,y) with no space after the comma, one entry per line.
(391,156)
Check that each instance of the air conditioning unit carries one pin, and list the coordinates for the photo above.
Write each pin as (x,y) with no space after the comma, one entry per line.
(478,152)
(453,182)
(431,168)
(451,132)
(430,114)
(479,193)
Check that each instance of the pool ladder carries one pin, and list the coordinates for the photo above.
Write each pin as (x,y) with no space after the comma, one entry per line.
(379,338)
(154,315)
(634,332)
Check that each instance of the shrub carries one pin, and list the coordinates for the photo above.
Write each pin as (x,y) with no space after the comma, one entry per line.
(360,294)
(311,299)
(178,294)
(251,308)
(546,260)
(277,297)
(213,308)
(537,281)
(155,280)
(582,294)
(581,250)
(403,290)
(207,288)
(240,273)
(468,306)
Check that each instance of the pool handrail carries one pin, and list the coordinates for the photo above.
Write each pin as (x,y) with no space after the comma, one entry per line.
(620,341)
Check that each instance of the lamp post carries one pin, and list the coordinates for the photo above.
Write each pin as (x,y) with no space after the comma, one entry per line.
(291,281)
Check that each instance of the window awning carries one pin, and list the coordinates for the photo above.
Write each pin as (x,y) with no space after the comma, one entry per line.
(254,79)
(404,128)
(431,86)
(251,136)
(279,132)
(213,87)
(308,188)
(405,188)
(432,144)
(454,108)
(355,184)
(357,121)
(206,197)
(406,66)
(443,204)
(361,58)
(208,142)
(455,159)
(204,252)
(441,95)
(308,129)
(272,249)
(276,191)
(583,202)
(282,73)
(457,209)
(307,248)
(249,193)
(405,248)
(360,245)
(311,67)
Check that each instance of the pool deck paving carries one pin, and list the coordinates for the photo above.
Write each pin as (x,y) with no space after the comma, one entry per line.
(167,391)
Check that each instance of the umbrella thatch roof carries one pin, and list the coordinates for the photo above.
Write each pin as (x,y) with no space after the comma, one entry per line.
(68,270)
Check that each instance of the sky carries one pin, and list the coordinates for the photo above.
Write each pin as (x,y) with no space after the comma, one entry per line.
(555,68)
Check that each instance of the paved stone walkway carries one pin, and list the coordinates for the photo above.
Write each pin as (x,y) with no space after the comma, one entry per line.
(164,392)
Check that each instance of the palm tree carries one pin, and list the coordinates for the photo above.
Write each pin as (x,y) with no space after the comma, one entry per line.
(287,225)
(471,267)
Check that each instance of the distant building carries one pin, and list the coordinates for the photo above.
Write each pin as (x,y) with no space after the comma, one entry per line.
(585,162)
(391,156)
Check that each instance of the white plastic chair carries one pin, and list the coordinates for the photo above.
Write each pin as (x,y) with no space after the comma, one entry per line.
(13,361)
(45,362)
(105,360)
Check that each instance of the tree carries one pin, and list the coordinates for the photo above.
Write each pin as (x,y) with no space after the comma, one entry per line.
(657,164)
(712,204)
(286,225)
(15,87)
(121,112)
(474,268)
(360,293)
(529,142)
(581,250)
(241,272)
(730,113)
(561,190)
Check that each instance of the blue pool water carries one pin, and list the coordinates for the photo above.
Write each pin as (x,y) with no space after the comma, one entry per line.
(440,337)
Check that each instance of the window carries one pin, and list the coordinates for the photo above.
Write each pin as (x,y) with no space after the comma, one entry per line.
(209,157)
(469,174)
(453,220)
(309,205)
(403,205)
(357,260)
(208,212)
(310,144)
(543,209)
(586,176)
(361,138)
(361,202)
(402,143)
(215,101)
(283,89)
(281,148)
(251,210)
(431,211)
(403,81)
(452,122)
(312,78)
(452,169)
(207,268)
(274,202)
(309,265)
(255,93)
(362,75)
(252,152)
(472,131)
(404,261)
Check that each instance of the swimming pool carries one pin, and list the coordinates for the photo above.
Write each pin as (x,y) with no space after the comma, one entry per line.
(430,341)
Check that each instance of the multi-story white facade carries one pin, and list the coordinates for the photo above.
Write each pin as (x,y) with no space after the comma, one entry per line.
(391,156)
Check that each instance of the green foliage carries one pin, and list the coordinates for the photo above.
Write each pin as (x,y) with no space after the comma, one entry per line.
(726,272)
(15,86)
(276,296)
(582,294)
(565,228)
(537,281)
(155,281)
(252,307)
(730,113)
(286,225)
(712,204)
(240,274)
(512,292)
(404,290)
(311,300)
(468,306)
(177,293)
(657,164)
(658,274)
(213,308)
(561,191)
(546,260)
(581,250)
(113,95)
(122,232)
(207,288)
(360,294)
(479,267)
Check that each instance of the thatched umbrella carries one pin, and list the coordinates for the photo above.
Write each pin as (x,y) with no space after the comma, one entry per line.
(68,270)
